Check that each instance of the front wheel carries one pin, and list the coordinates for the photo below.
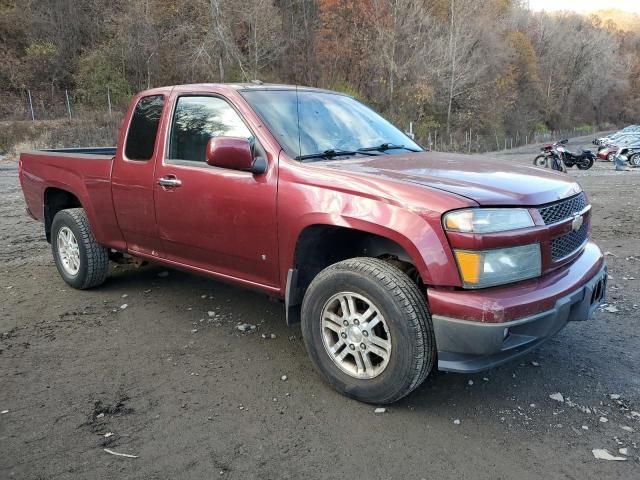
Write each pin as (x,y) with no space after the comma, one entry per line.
(635,160)
(81,261)
(367,330)
(540,161)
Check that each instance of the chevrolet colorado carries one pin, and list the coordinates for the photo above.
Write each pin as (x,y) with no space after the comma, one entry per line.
(394,259)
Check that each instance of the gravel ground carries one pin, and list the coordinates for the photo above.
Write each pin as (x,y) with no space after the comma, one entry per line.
(170,379)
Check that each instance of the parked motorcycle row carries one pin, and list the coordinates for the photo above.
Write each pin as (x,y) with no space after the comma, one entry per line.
(621,147)
(557,157)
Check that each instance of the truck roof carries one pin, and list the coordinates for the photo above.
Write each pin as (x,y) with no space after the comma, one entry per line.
(232,86)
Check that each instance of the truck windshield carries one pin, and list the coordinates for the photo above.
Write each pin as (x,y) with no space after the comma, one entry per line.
(311,124)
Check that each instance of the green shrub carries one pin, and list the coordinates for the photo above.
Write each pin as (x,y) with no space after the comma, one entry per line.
(584,128)
(345,87)
(96,74)
(541,128)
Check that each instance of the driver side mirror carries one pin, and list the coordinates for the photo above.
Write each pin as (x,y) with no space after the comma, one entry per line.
(234,153)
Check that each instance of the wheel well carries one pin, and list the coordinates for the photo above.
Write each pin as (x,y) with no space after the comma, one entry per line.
(56,199)
(322,245)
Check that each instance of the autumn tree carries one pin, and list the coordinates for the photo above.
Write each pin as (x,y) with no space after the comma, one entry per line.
(451,67)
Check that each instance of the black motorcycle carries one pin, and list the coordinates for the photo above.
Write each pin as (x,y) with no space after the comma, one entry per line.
(557,151)
(583,160)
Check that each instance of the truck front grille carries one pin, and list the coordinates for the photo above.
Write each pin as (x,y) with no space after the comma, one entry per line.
(569,243)
(558,211)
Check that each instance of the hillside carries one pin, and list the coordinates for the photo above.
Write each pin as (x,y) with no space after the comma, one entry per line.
(626,21)
(467,75)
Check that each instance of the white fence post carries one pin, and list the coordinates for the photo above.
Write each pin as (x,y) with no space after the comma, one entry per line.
(66,94)
(33,116)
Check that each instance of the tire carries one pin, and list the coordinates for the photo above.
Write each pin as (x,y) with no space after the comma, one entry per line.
(635,160)
(83,262)
(610,157)
(585,164)
(540,161)
(403,322)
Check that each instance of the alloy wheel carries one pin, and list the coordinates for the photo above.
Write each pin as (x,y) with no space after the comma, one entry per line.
(355,335)
(69,251)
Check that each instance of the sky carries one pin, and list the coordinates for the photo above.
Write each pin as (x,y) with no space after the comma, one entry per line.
(585,5)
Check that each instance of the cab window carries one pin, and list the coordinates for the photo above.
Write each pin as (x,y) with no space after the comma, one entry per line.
(196,120)
(143,129)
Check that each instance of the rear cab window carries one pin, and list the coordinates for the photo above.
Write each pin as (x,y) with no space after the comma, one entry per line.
(143,130)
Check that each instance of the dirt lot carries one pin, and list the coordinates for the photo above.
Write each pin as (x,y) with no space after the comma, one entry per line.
(174,382)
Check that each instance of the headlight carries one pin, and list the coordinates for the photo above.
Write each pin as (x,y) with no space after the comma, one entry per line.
(487,220)
(486,268)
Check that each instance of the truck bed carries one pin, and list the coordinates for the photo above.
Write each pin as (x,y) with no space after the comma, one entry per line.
(107,151)
(83,172)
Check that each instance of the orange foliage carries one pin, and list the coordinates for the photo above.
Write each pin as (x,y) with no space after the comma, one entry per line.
(344,35)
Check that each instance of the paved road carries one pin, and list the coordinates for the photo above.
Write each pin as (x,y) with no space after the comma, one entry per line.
(193,397)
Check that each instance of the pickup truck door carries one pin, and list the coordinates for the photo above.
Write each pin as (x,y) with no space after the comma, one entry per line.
(214,219)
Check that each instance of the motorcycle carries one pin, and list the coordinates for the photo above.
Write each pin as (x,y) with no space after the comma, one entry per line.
(551,157)
(557,151)
(583,160)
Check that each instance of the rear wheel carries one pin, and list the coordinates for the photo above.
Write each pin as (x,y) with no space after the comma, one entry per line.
(585,164)
(635,160)
(610,157)
(367,330)
(81,261)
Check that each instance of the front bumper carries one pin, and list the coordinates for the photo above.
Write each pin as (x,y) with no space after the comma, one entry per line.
(470,346)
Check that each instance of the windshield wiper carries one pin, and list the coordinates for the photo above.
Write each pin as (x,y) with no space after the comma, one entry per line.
(387,146)
(332,152)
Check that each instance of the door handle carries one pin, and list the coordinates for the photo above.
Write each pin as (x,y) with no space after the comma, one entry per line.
(169,181)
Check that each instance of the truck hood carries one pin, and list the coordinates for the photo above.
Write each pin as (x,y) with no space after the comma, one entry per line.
(487,182)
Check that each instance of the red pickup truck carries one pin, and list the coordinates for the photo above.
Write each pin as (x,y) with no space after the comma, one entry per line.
(394,259)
